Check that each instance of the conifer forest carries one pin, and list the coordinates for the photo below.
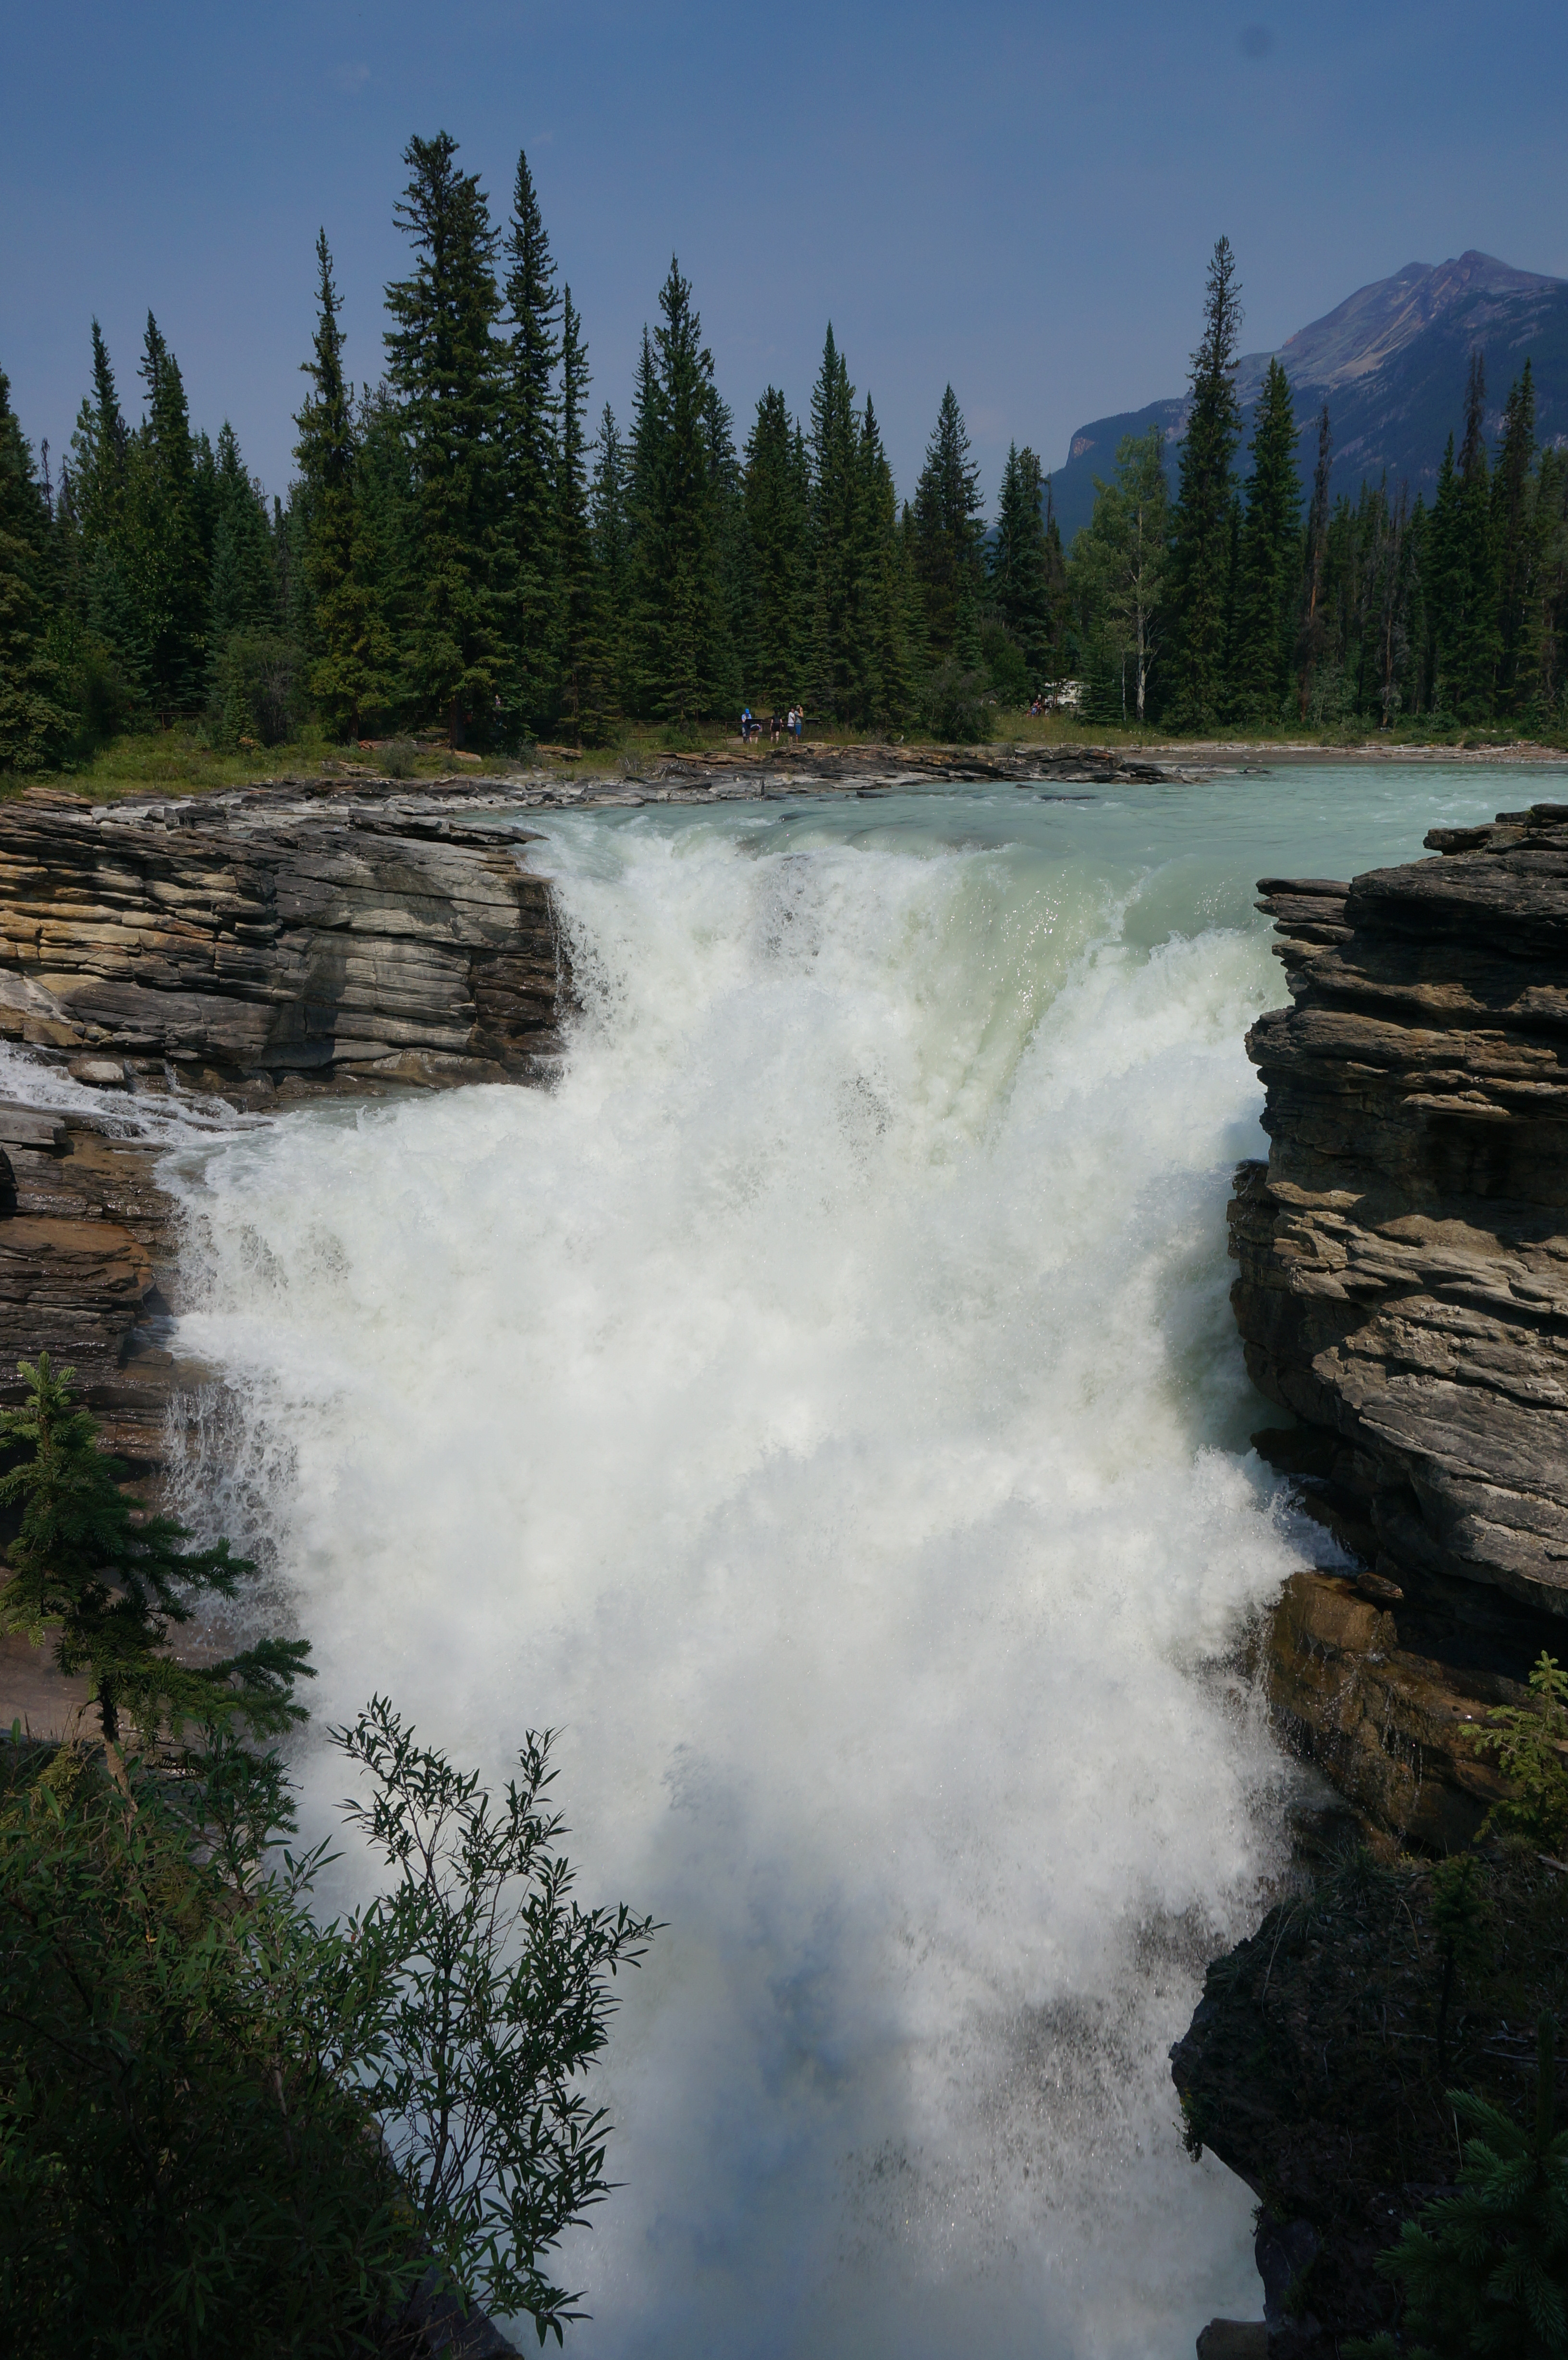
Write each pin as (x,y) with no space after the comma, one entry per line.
(468,549)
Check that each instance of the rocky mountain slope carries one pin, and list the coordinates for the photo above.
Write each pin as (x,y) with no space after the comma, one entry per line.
(1391,361)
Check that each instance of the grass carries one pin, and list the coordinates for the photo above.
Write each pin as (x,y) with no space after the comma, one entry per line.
(178,761)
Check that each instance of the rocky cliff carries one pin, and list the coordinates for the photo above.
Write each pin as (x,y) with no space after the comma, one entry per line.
(1403,1291)
(253,943)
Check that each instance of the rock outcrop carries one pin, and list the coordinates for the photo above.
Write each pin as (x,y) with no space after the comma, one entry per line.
(1403,1291)
(247,945)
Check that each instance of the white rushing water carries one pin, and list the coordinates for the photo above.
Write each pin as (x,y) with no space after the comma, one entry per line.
(825,1408)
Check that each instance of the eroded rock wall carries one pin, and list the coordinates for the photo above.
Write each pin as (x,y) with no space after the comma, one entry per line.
(1404,1254)
(1403,1290)
(250,947)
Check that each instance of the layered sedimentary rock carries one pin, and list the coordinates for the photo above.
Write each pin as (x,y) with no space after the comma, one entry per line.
(1403,1290)
(243,945)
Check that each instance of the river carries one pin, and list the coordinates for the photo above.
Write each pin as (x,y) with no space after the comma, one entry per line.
(823,1408)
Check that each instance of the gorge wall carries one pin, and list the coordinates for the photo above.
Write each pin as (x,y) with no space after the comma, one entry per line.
(1403,1291)
(265,947)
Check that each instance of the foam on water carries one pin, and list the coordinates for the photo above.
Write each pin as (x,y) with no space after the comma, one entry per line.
(823,1407)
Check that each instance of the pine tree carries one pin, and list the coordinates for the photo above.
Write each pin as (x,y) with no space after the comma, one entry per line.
(583,693)
(1057,596)
(1016,568)
(948,527)
(1270,541)
(1517,536)
(886,690)
(1201,537)
(1309,644)
(445,362)
(777,492)
(109,1582)
(32,721)
(1473,644)
(682,655)
(532,424)
(167,578)
(608,527)
(351,672)
(837,655)
(100,447)
(245,578)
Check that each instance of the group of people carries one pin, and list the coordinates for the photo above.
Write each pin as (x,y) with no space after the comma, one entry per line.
(780,725)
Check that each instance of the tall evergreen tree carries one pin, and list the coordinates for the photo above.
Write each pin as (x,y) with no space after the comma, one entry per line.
(837,656)
(100,447)
(1472,652)
(682,652)
(888,690)
(1202,526)
(531,427)
(612,562)
(1517,536)
(443,361)
(32,723)
(584,688)
(1016,569)
(777,491)
(244,578)
(1310,624)
(948,527)
(1270,543)
(351,644)
(167,573)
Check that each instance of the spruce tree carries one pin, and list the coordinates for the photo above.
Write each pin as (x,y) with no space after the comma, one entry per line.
(682,653)
(167,573)
(108,1583)
(1472,647)
(777,492)
(886,692)
(583,689)
(948,527)
(1309,645)
(1016,567)
(609,529)
(32,721)
(837,656)
(351,654)
(443,361)
(245,578)
(532,555)
(1270,541)
(1517,533)
(1202,525)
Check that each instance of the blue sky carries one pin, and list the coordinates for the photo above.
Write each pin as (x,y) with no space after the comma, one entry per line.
(1020,198)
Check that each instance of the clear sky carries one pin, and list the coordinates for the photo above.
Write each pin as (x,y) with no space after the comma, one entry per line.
(1018,198)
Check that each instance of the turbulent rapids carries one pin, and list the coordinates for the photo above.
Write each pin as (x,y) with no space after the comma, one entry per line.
(823,1408)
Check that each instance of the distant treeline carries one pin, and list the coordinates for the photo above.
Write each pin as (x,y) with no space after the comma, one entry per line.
(462,550)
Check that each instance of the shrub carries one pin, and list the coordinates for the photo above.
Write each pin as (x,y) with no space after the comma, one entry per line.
(1485,2273)
(1528,1741)
(400,758)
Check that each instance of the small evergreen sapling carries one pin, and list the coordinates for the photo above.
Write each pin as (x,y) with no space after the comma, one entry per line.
(1527,1741)
(109,1582)
(1484,2274)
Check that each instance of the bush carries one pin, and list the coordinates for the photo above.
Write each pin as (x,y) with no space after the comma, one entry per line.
(400,758)
(223,2129)
(184,2165)
(957,712)
(1485,2273)
(1527,1741)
